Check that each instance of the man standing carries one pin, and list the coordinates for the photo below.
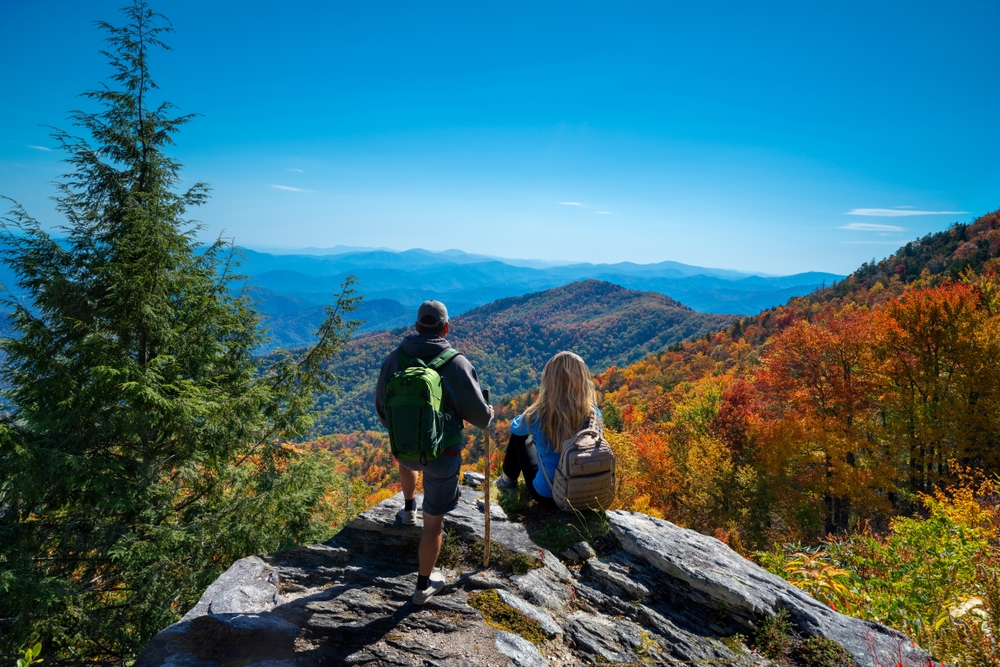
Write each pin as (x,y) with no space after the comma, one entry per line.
(462,400)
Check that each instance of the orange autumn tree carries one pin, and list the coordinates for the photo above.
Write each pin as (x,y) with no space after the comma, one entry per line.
(818,419)
(859,410)
(646,476)
(941,348)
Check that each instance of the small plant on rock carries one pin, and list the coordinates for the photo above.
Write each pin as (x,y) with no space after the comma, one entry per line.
(735,643)
(459,554)
(773,635)
(502,616)
(452,553)
(821,652)
(647,644)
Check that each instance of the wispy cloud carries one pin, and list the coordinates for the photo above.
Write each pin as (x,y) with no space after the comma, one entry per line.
(299,171)
(288,188)
(40,148)
(898,212)
(571,203)
(872,227)
(604,212)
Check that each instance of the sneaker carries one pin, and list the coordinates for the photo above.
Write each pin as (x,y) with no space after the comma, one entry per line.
(434,586)
(505,483)
(407,517)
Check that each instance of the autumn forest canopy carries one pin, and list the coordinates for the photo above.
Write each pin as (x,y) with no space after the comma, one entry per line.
(848,440)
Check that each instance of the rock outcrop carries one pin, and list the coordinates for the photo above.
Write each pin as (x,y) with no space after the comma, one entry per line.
(705,571)
(665,595)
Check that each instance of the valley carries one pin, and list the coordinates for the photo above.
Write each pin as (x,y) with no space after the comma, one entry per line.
(508,342)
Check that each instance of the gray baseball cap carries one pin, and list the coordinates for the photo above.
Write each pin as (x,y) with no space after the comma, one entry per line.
(432,314)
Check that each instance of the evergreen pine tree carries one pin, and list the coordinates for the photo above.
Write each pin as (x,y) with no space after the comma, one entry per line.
(140,445)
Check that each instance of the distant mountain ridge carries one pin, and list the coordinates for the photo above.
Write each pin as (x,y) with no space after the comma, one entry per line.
(509,341)
(312,258)
(293,287)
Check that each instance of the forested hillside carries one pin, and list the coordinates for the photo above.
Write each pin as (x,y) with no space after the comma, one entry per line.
(905,344)
(935,259)
(860,425)
(510,340)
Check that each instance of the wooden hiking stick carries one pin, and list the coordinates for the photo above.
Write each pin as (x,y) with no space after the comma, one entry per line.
(486,495)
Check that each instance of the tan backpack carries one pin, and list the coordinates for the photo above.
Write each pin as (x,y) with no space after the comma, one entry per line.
(585,476)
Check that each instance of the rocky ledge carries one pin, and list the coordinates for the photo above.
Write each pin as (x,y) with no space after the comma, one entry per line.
(663,595)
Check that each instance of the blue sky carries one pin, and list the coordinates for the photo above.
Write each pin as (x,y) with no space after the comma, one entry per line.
(764,136)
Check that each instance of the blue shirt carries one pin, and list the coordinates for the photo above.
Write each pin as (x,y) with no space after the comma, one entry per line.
(547,456)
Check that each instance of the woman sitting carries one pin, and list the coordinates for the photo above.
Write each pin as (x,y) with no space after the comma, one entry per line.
(566,402)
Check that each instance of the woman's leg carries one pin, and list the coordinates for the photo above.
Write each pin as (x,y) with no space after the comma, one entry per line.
(512,459)
(527,462)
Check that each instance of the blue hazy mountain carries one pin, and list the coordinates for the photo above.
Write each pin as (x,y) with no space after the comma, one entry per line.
(291,288)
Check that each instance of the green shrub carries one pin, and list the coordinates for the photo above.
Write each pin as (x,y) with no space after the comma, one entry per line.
(773,635)
(458,554)
(821,652)
(935,579)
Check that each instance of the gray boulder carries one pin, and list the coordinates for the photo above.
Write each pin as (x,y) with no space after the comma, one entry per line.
(521,652)
(473,478)
(706,571)
(347,601)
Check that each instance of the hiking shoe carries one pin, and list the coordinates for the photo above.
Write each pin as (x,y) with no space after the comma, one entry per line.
(407,517)
(505,483)
(434,586)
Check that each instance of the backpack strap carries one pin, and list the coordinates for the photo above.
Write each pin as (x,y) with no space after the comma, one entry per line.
(405,360)
(530,442)
(437,362)
(541,467)
(595,423)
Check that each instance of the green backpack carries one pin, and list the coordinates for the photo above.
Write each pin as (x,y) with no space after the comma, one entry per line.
(412,405)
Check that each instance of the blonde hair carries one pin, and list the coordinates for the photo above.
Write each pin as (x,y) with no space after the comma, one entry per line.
(565,399)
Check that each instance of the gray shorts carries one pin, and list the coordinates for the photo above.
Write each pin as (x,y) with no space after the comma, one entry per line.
(440,482)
